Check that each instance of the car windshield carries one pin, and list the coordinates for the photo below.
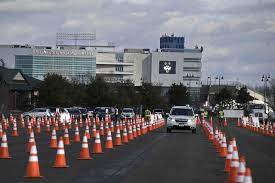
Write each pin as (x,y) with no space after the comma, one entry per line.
(52,109)
(182,112)
(73,110)
(82,110)
(39,110)
(127,110)
(157,110)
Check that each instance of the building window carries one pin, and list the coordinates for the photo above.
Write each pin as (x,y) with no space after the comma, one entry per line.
(119,68)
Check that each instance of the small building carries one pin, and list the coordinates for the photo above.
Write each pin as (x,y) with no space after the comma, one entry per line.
(17,90)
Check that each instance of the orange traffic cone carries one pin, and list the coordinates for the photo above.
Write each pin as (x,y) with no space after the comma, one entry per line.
(247,176)
(76,135)
(87,132)
(29,127)
(130,134)
(4,149)
(94,130)
(53,142)
(48,128)
(125,136)
(112,127)
(101,129)
(14,131)
(138,130)
(60,159)
(31,142)
(223,148)
(228,157)
(84,153)
(33,165)
(225,122)
(97,149)
(238,123)
(109,140)
(234,165)
(134,131)
(66,137)
(241,170)
(38,129)
(1,131)
(118,138)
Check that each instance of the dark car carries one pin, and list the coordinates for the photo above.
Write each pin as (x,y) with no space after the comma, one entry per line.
(101,112)
(83,112)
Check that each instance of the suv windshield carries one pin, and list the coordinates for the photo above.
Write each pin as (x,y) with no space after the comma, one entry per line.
(127,110)
(157,110)
(182,112)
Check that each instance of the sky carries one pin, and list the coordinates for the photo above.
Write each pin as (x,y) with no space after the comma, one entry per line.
(238,36)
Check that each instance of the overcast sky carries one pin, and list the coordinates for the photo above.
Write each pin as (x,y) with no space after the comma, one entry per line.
(238,35)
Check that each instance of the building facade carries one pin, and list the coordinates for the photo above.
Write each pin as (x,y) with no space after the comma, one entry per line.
(139,58)
(72,64)
(171,43)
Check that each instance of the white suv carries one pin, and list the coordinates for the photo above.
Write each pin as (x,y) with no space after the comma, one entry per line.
(181,117)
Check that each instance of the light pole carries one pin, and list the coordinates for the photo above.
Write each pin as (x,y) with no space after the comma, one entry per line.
(219,77)
(209,79)
(265,79)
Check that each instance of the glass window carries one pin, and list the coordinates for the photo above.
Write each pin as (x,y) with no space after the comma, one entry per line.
(182,112)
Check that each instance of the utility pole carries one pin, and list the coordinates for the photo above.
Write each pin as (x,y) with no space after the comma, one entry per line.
(219,77)
(265,79)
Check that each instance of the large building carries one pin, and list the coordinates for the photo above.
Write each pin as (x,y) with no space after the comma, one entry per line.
(171,43)
(176,67)
(38,61)
(172,63)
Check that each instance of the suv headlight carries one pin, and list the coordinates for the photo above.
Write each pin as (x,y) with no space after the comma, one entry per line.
(171,118)
(191,121)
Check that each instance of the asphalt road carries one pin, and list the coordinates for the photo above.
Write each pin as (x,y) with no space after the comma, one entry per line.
(154,157)
(259,151)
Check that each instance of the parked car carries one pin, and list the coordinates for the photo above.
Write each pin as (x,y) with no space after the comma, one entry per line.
(158,111)
(53,111)
(64,115)
(37,112)
(102,111)
(74,112)
(90,111)
(181,117)
(127,113)
(83,112)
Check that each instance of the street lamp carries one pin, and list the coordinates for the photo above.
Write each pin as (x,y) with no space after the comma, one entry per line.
(265,79)
(209,79)
(219,77)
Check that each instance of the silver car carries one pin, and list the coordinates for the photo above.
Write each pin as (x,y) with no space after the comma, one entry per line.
(37,112)
(181,118)
(127,113)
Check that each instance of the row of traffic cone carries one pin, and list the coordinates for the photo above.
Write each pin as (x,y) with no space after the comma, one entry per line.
(266,128)
(33,170)
(235,167)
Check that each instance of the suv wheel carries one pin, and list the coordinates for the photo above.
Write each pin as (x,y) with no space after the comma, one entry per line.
(169,130)
(194,131)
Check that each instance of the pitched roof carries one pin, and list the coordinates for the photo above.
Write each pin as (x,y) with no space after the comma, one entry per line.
(17,80)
